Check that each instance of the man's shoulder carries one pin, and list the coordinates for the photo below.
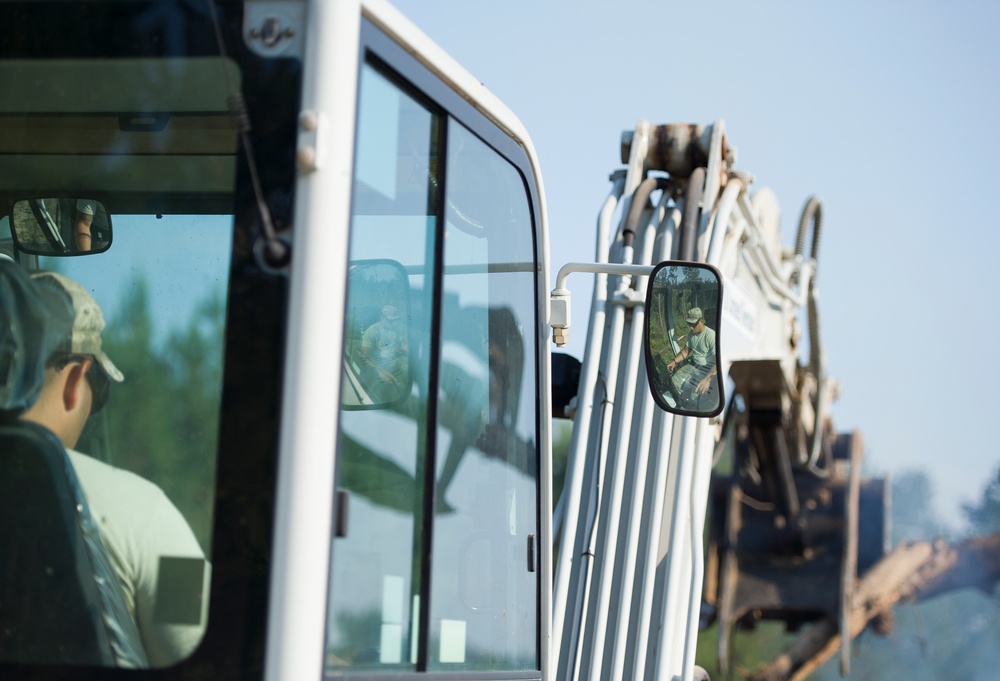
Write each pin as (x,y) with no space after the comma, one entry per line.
(128,506)
(99,477)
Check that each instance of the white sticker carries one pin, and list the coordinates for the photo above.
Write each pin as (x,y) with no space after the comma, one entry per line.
(739,310)
(391,644)
(452,641)
(415,628)
(392,599)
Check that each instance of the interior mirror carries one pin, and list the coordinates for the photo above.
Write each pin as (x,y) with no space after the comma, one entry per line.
(683,304)
(60,226)
(377,343)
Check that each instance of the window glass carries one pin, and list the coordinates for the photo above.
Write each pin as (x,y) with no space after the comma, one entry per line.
(162,289)
(142,462)
(375,580)
(153,511)
(437,472)
(483,589)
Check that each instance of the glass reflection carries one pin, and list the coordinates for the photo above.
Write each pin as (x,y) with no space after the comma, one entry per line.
(483,610)
(683,349)
(61,226)
(448,545)
(376,574)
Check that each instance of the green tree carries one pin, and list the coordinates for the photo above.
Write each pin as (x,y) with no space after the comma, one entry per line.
(984,516)
(161,422)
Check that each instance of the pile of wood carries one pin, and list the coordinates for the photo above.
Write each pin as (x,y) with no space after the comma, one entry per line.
(912,572)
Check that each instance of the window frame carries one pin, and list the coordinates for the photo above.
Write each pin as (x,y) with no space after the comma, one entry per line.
(393,61)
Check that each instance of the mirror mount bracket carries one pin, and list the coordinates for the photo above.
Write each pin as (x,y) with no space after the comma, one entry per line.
(629,298)
(559,299)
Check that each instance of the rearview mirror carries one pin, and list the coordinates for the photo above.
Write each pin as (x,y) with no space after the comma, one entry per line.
(60,226)
(377,344)
(683,304)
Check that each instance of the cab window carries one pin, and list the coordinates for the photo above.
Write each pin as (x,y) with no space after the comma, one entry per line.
(126,203)
(434,566)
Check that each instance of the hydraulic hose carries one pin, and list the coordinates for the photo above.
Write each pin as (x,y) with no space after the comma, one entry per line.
(813,213)
(689,224)
(640,200)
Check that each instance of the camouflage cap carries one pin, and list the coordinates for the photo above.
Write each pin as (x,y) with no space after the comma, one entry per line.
(694,314)
(85,338)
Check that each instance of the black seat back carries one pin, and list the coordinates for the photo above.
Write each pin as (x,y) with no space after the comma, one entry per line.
(59,601)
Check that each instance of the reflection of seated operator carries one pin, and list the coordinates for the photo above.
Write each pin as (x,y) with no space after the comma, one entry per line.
(700,350)
(384,348)
(82,238)
(149,542)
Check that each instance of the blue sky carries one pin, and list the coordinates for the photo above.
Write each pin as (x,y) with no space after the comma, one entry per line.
(887,112)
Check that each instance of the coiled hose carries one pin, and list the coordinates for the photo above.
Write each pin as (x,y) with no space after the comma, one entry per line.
(813,213)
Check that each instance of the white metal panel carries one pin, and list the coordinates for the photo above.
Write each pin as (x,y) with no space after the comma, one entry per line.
(301,545)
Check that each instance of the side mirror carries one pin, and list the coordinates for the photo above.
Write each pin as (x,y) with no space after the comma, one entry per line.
(377,344)
(683,305)
(60,226)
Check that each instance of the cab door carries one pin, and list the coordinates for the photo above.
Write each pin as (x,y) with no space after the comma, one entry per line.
(435,564)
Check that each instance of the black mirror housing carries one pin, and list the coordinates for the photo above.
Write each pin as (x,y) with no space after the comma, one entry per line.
(681,338)
(60,226)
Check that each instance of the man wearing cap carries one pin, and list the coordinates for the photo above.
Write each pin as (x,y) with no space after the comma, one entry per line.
(700,349)
(384,348)
(82,238)
(143,531)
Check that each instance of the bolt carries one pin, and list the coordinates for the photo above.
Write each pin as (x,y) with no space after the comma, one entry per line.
(306,157)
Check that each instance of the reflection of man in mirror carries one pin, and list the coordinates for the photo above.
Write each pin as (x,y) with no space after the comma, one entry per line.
(82,237)
(85,225)
(384,347)
(700,353)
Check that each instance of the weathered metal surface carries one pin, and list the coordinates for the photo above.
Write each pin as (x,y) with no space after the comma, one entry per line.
(676,148)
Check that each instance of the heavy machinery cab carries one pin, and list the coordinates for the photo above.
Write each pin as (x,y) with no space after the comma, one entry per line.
(320,249)
(321,263)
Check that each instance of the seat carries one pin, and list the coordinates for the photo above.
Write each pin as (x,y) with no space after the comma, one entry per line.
(60,601)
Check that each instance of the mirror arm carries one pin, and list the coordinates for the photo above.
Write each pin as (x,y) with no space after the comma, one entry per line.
(599,268)
(559,299)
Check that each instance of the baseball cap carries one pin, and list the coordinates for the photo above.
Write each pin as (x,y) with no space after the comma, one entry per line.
(85,336)
(694,314)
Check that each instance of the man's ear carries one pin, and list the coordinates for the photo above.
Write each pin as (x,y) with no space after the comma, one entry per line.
(74,393)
